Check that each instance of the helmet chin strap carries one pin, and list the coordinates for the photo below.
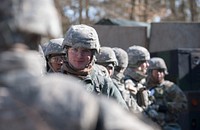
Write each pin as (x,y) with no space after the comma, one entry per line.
(92,61)
(51,66)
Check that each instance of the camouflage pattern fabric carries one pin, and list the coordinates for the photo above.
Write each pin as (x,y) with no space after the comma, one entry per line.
(139,96)
(39,98)
(54,47)
(137,54)
(130,97)
(97,83)
(106,55)
(24,18)
(119,82)
(15,61)
(18,15)
(135,78)
(118,75)
(43,56)
(102,70)
(157,63)
(29,101)
(84,36)
(136,75)
(168,102)
(44,46)
(77,36)
(122,57)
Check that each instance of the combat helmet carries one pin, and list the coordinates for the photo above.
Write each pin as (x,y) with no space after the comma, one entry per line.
(106,55)
(122,57)
(54,47)
(81,36)
(157,63)
(136,55)
(22,18)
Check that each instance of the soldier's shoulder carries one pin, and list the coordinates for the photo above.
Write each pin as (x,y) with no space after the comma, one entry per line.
(168,83)
(101,70)
(129,81)
(171,86)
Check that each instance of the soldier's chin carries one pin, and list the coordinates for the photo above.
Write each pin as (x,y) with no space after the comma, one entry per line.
(160,80)
(157,81)
(78,68)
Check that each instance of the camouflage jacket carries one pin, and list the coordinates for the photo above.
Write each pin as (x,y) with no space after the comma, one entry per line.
(96,82)
(131,98)
(170,101)
(118,80)
(54,101)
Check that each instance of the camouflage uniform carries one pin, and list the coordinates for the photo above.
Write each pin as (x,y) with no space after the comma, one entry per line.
(118,76)
(168,100)
(20,69)
(54,47)
(138,98)
(84,36)
(107,58)
(103,71)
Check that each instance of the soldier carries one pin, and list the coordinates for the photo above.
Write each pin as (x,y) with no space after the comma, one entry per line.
(107,58)
(55,55)
(135,75)
(21,68)
(82,44)
(168,100)
(118,76)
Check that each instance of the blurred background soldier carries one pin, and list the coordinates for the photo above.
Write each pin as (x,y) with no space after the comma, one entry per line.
(135,75)
(54,101)
(21,68)
(55,55)
(118,76)
(106,57)
(81,43)
(168,100)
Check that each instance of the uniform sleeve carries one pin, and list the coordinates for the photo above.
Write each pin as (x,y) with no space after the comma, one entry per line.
(176,99)
(115,93)
(113,117)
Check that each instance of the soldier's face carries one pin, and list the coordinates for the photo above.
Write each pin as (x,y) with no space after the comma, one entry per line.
(79,58)
(158,75)
(143,67)
(110,70)
(56,61)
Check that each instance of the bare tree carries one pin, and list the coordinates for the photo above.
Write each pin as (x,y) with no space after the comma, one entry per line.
(90,11)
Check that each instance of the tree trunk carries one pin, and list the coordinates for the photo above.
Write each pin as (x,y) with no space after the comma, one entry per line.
(80,11)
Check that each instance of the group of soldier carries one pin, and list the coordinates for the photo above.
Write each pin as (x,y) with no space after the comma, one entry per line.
(72,82)
(130,77)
